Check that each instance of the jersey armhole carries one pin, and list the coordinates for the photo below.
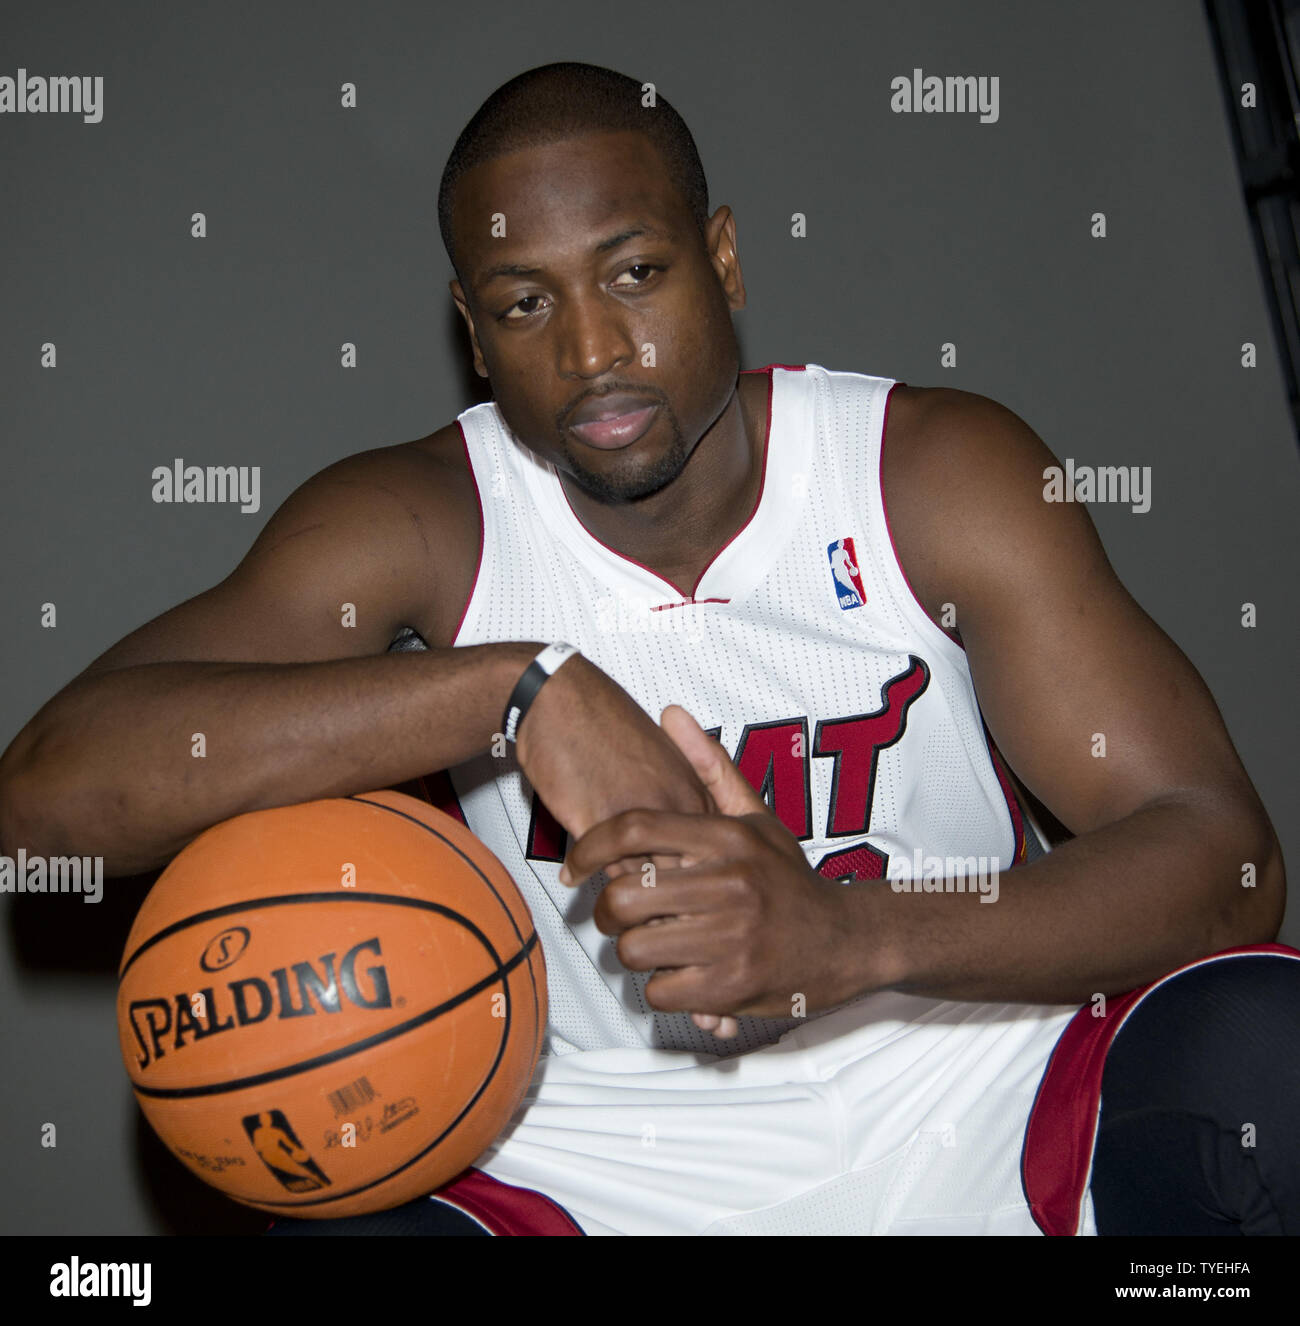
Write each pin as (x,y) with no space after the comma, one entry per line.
(482,535)
(908,600)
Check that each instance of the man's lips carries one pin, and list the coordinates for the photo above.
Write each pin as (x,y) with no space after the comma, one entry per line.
(619,431)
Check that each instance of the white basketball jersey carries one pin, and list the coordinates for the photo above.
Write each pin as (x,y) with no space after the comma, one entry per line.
(803,645)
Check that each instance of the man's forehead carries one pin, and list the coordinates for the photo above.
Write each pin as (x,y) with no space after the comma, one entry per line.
(572,199)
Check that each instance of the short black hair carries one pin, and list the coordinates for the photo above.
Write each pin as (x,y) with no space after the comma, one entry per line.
(558,101)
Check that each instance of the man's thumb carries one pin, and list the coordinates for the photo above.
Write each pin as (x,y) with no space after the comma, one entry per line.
(731,793)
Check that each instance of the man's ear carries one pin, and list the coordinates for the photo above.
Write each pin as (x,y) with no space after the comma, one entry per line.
(462,304)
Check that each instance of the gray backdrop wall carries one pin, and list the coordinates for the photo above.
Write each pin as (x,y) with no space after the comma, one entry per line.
(922,229)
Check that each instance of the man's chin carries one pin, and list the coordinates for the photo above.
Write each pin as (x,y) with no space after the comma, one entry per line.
(629,483)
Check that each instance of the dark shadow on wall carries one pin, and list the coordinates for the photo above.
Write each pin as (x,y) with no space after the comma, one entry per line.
(62,935)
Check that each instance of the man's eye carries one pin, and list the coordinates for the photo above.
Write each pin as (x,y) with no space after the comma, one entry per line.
(505,317)
(648,270)
(642,267)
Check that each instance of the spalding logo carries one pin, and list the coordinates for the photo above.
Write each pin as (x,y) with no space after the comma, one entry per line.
(225,948)
(252,999)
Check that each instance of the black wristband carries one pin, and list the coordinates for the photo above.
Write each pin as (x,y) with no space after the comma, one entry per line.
(526,688)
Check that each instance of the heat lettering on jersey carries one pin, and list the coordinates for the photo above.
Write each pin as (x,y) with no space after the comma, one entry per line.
(775,756)
(855,744)
(547,840)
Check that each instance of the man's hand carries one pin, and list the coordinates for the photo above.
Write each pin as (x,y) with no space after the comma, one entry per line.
(740,922)
(590,751)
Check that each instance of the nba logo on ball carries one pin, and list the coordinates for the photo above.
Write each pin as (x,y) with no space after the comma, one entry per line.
(845,575)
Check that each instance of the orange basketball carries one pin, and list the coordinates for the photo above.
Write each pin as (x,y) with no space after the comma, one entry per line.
(332,1008)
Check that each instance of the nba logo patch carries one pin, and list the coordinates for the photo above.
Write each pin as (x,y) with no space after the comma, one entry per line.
(845,575)
(282,1153)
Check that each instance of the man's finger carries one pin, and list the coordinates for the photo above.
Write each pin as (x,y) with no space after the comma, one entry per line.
(724,1028)
(728,787)
(643,834)
(681,989)
(677,894)
(635,865)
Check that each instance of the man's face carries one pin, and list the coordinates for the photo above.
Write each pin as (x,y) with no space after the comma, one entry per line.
(579,316)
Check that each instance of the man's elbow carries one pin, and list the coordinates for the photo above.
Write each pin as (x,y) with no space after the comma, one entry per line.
(17,829)
(25,821)
(1256,879)
(1272,882)
(30,798)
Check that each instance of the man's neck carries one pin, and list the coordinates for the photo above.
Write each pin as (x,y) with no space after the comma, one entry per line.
(678,531)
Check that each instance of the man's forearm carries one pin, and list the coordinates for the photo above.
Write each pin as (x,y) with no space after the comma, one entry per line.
(1106,912)
(114,767)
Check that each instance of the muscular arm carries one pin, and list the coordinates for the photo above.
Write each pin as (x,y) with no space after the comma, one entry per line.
(1058,652)
(295,705)
(292,703)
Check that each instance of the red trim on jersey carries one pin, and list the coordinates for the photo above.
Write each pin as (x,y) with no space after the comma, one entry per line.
(437,791)
(441,795)
(884,506)
(681,603)
(505,1209)
(1013,802)
(1056,1162)
(482,533)
(758,501)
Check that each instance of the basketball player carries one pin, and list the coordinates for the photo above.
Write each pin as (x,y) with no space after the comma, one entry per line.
(838,1035)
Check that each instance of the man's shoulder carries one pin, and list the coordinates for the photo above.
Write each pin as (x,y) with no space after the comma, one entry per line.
(445,446)
(962,475)
(409,510)
(442,451)
(948,424)
(957,448)
(429,476)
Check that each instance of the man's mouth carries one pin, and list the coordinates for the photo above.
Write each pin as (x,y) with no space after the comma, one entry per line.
(619,431)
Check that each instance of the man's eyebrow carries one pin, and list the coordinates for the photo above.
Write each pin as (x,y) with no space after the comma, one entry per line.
(604,246)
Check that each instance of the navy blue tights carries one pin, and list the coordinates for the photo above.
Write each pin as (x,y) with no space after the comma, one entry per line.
(1200,1106)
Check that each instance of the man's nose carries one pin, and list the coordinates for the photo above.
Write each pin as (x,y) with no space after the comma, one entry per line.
(594,338)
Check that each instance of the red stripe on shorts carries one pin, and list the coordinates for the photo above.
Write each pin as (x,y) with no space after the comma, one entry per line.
(505,1209)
